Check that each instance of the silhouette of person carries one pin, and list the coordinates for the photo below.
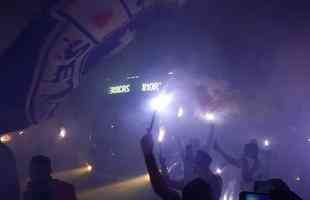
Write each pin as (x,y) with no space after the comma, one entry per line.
(43,186)
(9,184)
(196,189)
(249,164)
(203,171)
(200,168)
(188,155)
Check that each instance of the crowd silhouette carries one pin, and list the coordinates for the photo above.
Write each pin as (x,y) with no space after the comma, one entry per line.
(203,185)
(206,185)
(43,186)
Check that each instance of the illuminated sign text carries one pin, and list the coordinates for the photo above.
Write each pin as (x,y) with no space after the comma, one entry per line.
(119,89)
(141,87)
(150,87)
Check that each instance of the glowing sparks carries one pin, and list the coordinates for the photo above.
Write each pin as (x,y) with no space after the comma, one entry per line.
(161,134)
(5,138)
(147,178)
(62,133)
(180,112)
(89,167)
(266,143)
(218,170)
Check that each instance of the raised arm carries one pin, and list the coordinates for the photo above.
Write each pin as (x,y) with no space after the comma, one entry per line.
(226,156)
(157,180)
(175,184)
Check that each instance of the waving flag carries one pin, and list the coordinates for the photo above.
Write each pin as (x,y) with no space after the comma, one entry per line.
(48,58)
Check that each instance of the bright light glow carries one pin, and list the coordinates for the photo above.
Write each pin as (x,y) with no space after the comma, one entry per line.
(180,112)
(89,167)
(225,196)
(161,101)
(218,170)
(266,143)
(209,116)
(62,133)
(147,178)
(298,178)
(21,133)
(126,189)
(308,140)
(161,134)
(5,138)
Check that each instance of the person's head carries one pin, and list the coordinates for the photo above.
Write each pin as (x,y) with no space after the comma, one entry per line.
(40,168)
(251,149)
(197,189)
(203,160)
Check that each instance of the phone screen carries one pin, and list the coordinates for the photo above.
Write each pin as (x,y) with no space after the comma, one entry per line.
(253,196)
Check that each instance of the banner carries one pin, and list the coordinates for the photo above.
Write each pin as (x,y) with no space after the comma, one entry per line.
(48,58)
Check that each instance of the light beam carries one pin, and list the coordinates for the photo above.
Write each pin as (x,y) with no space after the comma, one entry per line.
(126,189)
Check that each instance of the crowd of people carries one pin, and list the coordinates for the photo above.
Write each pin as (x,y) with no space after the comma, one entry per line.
(199,181)
(206,185)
